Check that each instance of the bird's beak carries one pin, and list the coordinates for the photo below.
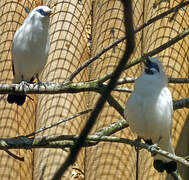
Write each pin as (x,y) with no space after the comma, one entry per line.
(49,13)
(147,62)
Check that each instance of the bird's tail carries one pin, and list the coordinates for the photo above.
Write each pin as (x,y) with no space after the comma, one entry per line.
(162,163)
(18,99)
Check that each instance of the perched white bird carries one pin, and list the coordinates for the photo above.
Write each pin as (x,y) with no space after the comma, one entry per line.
(30,49)
(149,111)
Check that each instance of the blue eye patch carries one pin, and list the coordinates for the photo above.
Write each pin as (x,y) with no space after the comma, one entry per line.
(151,67)
(154,65)
(42,12)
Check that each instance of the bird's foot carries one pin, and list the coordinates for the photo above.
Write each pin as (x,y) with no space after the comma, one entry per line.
(39,83)
(23,85)
(137,141)
(152,148)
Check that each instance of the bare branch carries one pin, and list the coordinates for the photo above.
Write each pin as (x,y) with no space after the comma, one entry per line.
(123,90)
(14,156)
(152,149)
(75,87)
(62,141)
(112,128)
(127,9)
(125,80)
(56,88)
(59,122)
(50,88)
(115,43)
(112,102)
(178,80)
(170,80)
(178,104)
(151,53)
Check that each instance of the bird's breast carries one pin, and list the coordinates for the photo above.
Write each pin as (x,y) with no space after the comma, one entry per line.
(30,51)
(150,115)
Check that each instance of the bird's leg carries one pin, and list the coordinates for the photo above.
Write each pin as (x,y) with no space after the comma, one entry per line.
(23,84)
(38,81)
(154,146)
(37,77)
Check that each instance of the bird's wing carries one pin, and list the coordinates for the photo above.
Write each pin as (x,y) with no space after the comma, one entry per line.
(169,104)
(13,70)
(171,110)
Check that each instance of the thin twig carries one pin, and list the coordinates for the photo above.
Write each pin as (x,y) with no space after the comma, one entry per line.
(112,102)
(151,53)
(115,43)
(182,103)
(13,155)
(112,128)
(125,80)
(59,122)
(127,90)
(178,80)
(127,9)
(169,43)
(170,80)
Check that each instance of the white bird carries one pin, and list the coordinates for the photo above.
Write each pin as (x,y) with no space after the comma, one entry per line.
(149,111)
(30,49)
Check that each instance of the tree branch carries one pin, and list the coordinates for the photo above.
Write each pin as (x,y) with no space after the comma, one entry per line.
(115,43)
(14,156)
(170,80)
(73,87)
(127,9)
(178,80)
(62,141)
(50,88)
(59,122)
(182,103)
(151,53)
(112,102)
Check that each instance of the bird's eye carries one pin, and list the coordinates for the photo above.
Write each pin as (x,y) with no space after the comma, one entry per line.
(43,13)
(155,66)
(151,67)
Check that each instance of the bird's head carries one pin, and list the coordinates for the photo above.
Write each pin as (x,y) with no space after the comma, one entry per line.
(152,65)
(40,12)
(43,11)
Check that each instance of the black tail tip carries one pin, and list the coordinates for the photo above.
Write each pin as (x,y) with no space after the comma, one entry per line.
(169,167)
(17,99)
(10,99)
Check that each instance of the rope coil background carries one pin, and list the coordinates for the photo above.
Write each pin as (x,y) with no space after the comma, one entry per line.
(79,30)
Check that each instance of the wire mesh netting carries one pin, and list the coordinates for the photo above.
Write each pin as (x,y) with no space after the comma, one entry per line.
(79,30)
